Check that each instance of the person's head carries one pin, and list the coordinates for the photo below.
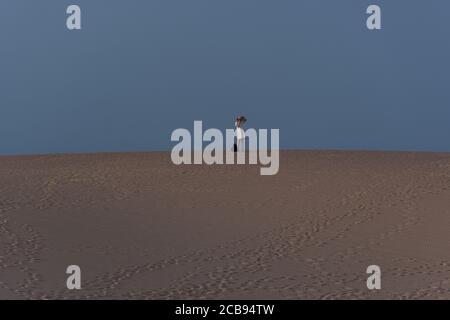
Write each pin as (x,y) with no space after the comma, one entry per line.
(240,120)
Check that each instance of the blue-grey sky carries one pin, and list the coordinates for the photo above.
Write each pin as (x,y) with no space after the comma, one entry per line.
(139,69)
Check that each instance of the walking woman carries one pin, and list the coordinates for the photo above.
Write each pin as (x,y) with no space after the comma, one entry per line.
(240,134)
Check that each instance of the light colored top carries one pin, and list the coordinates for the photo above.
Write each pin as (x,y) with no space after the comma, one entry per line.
(240,133)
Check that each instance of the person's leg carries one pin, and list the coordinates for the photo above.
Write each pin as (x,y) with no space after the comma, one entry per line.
(240,144)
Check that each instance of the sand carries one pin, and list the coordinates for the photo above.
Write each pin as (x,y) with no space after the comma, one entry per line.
(140,227)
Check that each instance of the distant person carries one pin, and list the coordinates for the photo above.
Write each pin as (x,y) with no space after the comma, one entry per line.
(240,134)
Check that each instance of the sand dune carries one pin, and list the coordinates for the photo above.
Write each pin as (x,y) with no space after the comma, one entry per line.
(142,228)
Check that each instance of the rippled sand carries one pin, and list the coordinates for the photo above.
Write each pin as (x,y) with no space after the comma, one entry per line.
(142,228)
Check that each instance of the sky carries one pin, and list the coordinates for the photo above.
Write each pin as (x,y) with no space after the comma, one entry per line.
(137,70)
